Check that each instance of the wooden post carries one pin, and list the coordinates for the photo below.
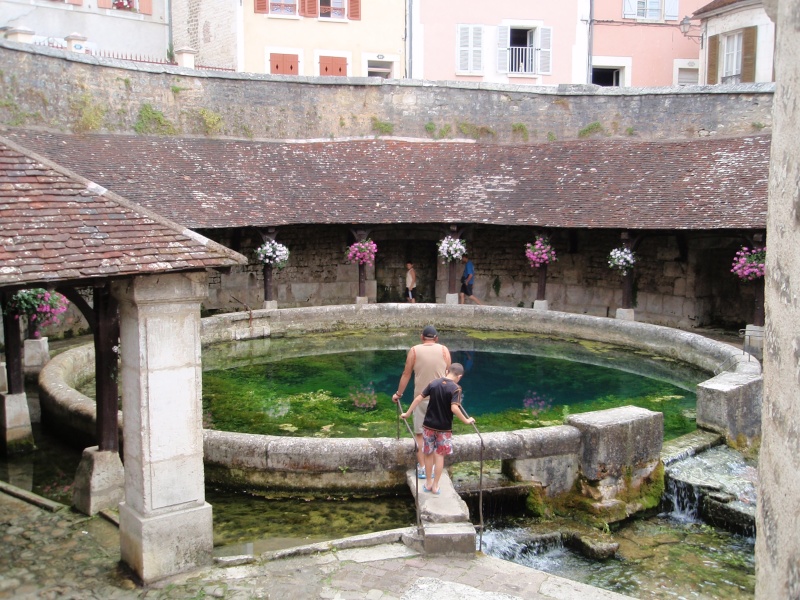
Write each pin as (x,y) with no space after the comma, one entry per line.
(16,379)
(542,284)
(106,337)
(362,280)
(627,289)
(451,276)
(758,314)
(267,283)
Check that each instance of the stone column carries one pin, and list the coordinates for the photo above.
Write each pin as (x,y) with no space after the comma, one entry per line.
(15,418)
(185,57)
(541,286)
(165,523)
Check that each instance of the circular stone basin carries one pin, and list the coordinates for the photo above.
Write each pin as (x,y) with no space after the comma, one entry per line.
(334,385)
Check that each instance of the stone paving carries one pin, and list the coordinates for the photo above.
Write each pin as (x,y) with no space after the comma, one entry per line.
(52,552)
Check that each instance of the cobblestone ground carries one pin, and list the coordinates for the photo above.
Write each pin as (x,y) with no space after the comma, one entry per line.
(64,555)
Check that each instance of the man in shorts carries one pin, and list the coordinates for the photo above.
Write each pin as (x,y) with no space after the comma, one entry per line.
(437,431)
(467,281)
(426,361)
(411,283)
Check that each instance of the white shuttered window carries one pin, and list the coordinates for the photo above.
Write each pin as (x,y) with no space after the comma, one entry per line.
(470,48)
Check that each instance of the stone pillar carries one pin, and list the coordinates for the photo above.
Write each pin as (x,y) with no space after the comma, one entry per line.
(20,34)
(777,542)
(15,424)
(75,42)
(165,523)
(185,57)
(626,314)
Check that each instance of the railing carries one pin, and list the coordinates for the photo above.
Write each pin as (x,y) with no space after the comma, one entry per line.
(209,68)
(747,335)
(131,57)
(522,60)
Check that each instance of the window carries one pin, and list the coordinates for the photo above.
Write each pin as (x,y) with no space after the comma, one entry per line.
(379,68)
(283,64)
(284,7)
(651,10)
(145,7)
(606,77)
(524,50)
(731,57)
(333,65)
(329,9)
(470,48)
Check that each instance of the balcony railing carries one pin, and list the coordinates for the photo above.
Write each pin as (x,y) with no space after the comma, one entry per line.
(522,60)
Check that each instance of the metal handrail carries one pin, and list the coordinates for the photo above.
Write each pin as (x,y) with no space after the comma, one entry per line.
(480,481)
(416,462)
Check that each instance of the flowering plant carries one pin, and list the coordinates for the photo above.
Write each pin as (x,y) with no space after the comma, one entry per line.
(622,258)
(451,248)
(362,253)
(273,253)
(536,403)
(749,263)
(39,306)
(540,252)
(364,397)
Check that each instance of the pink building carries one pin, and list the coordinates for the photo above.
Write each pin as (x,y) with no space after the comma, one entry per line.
(639,43)
(505,41)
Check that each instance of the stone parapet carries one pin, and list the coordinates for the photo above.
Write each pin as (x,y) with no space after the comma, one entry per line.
(730,404)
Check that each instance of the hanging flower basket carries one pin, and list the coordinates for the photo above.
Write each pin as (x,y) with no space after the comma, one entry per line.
(540,252)
(273,253)
(362,253)
(452,249)
(39,306)
(749,263)
(622,259)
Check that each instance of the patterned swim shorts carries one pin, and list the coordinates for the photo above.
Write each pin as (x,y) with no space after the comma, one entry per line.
(440,442)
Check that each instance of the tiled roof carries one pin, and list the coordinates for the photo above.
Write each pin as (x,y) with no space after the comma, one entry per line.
(57,226)
(702,184)
(715,4)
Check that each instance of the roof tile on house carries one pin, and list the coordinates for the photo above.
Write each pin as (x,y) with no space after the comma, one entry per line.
(57,226)
(716,4)
(700,184)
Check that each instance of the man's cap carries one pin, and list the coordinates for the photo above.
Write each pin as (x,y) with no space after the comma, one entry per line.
(430,332)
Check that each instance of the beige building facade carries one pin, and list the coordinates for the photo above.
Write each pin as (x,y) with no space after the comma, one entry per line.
(349,38)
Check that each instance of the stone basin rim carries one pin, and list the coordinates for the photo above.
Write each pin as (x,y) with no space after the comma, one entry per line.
(375,463)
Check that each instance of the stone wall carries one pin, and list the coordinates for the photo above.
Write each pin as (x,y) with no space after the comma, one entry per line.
(57,89)
(690,291)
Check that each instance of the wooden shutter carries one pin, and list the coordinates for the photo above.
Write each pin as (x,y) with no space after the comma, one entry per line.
(309,8)
(75,2)
(629,9)
(545,50)
(333,66)
(146,7)
(463,48)
(477,49)
(749,44)
(283,64)
(261,6)
(712,64)
(354,10)
(502,48)
(671,10)
(104,3)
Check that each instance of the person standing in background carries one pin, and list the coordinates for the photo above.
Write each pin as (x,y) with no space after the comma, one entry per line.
(467,281)
(411,283)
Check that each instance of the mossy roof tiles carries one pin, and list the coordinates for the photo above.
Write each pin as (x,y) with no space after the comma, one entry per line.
(700,184)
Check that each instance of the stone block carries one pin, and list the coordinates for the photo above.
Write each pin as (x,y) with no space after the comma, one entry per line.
(99,481)
(451,299)
(618,439)
(270,305)
(36,354)
(162,545)
(449,538)
(556,474)
(15,424)
(626,314)
(541,305)
(730,404)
